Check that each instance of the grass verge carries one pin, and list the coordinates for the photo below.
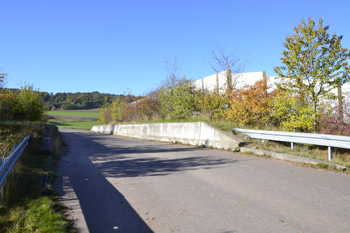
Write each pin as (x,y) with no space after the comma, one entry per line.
(25,207)
(340,156)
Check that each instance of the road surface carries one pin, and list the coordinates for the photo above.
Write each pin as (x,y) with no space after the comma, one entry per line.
(116,184)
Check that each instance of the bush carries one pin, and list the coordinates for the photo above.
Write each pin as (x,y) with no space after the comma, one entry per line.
(250,105)
(331,123)
(31,104)
(8,106)
(292,113)
(177,98)
(27,105)
(211,103)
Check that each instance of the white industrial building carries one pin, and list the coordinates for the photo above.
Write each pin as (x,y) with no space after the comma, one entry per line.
(214,81)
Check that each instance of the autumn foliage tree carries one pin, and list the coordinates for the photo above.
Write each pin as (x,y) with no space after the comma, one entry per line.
(250,105)
(314,61)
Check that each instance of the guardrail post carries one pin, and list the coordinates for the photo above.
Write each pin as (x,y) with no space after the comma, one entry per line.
(292,145)
(329,153)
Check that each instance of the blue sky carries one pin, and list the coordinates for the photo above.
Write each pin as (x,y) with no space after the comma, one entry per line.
(111,46)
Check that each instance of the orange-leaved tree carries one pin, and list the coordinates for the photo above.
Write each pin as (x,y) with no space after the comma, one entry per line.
(250,105)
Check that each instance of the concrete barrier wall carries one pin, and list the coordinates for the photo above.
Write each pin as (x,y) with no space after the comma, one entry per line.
(193,133)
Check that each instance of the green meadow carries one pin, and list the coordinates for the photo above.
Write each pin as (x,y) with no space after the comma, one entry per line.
(69,123)
(72,113)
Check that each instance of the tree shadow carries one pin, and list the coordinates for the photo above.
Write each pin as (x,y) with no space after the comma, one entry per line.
(130,160)
(104,208)
(89,163)
(157,167)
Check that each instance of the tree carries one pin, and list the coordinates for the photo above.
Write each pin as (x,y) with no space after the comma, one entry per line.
(314,63)
(148,107)
(250,105)
(176,93)
(177,101)
(31,103)
(291,113)
(211,103)
(229,62)
(3,77)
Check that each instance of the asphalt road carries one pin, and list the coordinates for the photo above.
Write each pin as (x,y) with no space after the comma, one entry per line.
(116,184)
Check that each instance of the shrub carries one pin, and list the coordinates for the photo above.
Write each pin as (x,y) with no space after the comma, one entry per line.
(178,99)
(27,105)
(8,105)
(292,113)
(211,103)
(250,105)
(31,104)
(330,121)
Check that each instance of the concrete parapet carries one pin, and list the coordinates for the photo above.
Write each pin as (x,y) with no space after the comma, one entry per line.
(193,133)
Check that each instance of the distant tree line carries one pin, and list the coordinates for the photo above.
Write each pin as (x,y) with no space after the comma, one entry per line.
(71,101)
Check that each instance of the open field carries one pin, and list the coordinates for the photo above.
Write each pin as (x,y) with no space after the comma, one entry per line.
(73,123)
(81,110)
(76,114)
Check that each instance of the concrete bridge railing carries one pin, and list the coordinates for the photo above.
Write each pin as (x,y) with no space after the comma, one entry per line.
(193,133)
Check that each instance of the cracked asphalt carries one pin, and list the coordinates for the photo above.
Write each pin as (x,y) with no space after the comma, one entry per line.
(117,184)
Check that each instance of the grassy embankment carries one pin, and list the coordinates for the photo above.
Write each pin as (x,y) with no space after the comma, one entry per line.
(79,119)
(25,207)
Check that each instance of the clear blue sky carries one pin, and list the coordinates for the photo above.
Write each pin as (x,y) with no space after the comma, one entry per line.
(109,46)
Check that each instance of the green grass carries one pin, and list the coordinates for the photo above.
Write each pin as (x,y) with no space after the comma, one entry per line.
(90,114)
(73,123)
(340,156)
(25,207)
(36,215)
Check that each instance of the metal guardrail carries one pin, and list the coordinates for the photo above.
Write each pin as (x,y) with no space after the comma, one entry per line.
(304,138)
(10,162)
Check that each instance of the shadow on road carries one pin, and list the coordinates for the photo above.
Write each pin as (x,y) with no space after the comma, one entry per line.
(126,160)
(88,163)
